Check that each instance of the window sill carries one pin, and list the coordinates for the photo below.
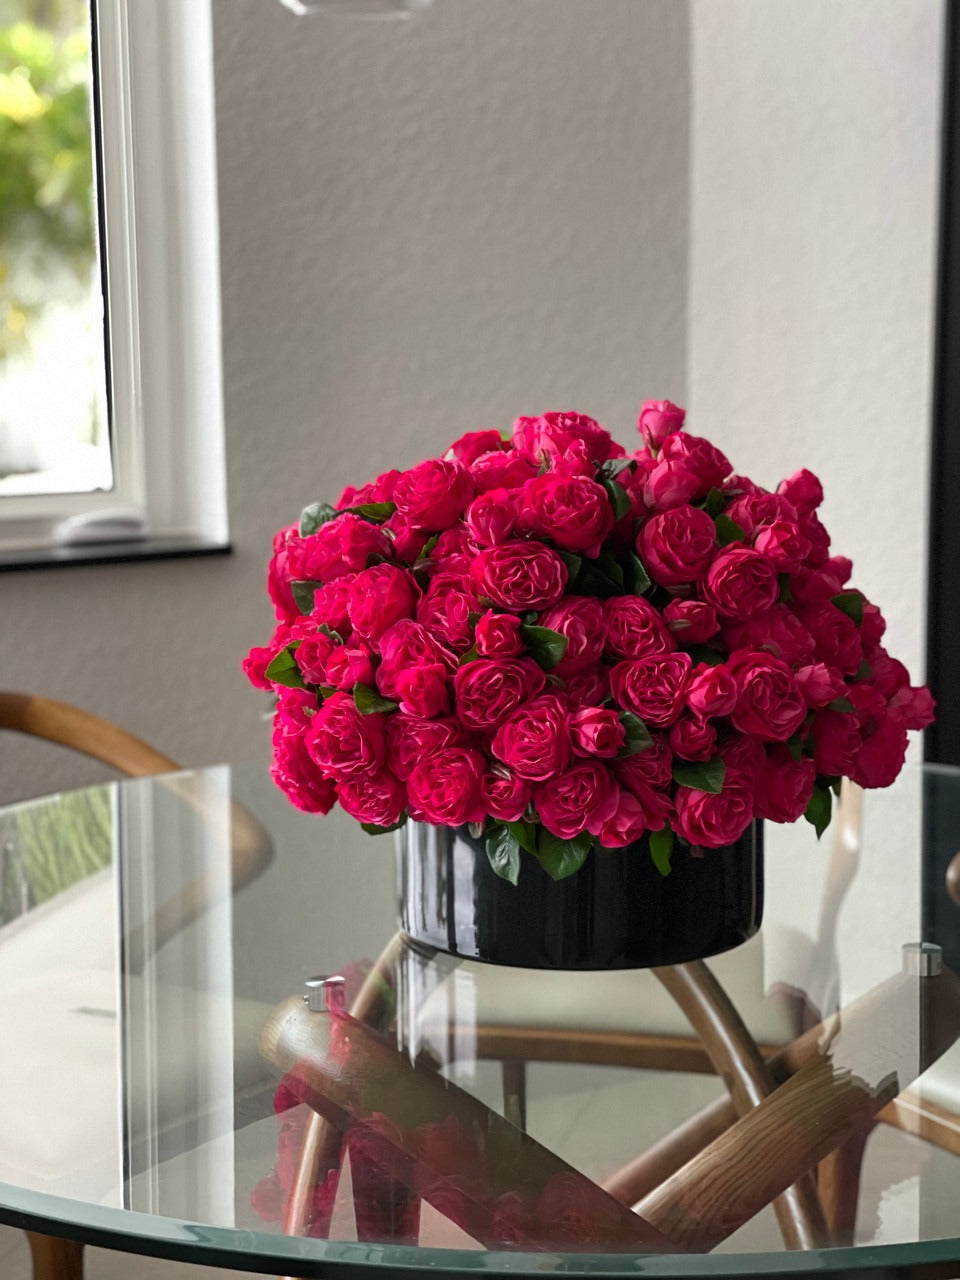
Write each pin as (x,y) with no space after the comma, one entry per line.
(103,553)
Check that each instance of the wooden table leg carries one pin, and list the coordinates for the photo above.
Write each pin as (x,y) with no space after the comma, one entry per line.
(55,1258)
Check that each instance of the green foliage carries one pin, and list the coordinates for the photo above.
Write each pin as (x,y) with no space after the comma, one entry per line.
(46,167)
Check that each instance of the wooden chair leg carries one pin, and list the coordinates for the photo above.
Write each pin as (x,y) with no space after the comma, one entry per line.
(738,1062)
(55,1258)
(838,1181)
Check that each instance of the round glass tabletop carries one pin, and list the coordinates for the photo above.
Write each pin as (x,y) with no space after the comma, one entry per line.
(791,1106)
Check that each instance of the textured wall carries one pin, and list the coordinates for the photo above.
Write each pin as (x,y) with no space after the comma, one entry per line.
(426,227)
(814,144)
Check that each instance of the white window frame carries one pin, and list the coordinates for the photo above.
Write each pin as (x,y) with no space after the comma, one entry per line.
(161,253)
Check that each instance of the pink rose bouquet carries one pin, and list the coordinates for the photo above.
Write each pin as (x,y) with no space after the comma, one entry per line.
(567,646)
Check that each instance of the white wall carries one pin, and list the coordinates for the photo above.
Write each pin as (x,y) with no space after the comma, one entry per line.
(814,163)
(426,227)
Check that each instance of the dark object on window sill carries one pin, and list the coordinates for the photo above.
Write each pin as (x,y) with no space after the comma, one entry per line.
(104,553)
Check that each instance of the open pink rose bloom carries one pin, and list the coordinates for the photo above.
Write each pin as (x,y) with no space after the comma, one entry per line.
(545,633)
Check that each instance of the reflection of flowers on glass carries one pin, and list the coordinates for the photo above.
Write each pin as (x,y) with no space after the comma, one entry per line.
(497,637)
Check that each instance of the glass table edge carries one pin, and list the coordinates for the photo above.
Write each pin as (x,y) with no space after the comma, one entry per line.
(246,1250)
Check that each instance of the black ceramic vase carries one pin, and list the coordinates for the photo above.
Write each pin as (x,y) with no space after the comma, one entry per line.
(616,912)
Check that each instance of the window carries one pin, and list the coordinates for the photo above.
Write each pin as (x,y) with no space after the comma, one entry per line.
(137,193)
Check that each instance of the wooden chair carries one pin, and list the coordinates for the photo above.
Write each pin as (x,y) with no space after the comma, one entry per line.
(250,851)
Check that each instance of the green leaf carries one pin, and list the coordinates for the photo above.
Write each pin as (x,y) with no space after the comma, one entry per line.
(472,654)
(835,785)
(703,653)
(328,631)
(619,498)
(428,547)
(638,735)
(503,851)
(794,745)
(818,810)
(375,512)
(786,595)
(841,704)
(326,691)
(700,775)
(715,502)
(613,467)
(729,531)
(303,593)
(601,577)
(561,858)
(316,515)
(850,603)
(661,849)
(864,671)
(473,618)
(284,670)
(641,579)
(525,834)
(546,647)
(368,701)
(572,562)
(372,829)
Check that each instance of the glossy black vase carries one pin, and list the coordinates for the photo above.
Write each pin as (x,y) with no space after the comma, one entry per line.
(616,912)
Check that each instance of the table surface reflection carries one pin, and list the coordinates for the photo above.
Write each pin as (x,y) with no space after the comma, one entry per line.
(161,1073)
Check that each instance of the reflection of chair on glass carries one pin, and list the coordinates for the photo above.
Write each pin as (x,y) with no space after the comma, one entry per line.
(80,906)
(793,1127)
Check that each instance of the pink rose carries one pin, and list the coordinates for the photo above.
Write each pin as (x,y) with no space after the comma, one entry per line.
(659,419)
(635,629)
(445,788)
(550,435)
(803,489)
(778,631)
(881,754)
(411,739)
(873,625)
(423,690)
(817,536)
(505,795)
(692,738)
(741,583)
(521,575)
(379,798)
(573,511)
(475,444)
(754,511)
(511,1222)
(669,484)
(820,684)
(653,688)
(770,705)
(888,674)
(835,636)
(712,691)
(712,821)
(913,707)
(783,544)
(582,798)
(292,770)
(648,768)
(588,688)
(330,605)
(343,742)
(596,731)
(434,493)
(347,665)
(582,621)
(341,546)
(312,654)
(743,755)
(254,667)
(492,517)
(498,635)
(836,741)
(810,586)
(379,597)
(691,621)
(698,456)
(445,610)
(283,569)
(535,741)
(677,546)
(784,786)
(403,645)
(487,690)
(502,471)
(380,490)
(572,1211)
(638,811)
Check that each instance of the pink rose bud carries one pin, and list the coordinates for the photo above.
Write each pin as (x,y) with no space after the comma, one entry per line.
(550,435)
(803,489)
(423,690)
(677,546)
(699,456)
(913,707)
(597,731)
(492,517)
(669,484)
(692,738)
(783,544)
(819,684)
(691,621)
(712,691)
(659,419)
(347,665)
(475,444)
(498,635)
(638,811)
